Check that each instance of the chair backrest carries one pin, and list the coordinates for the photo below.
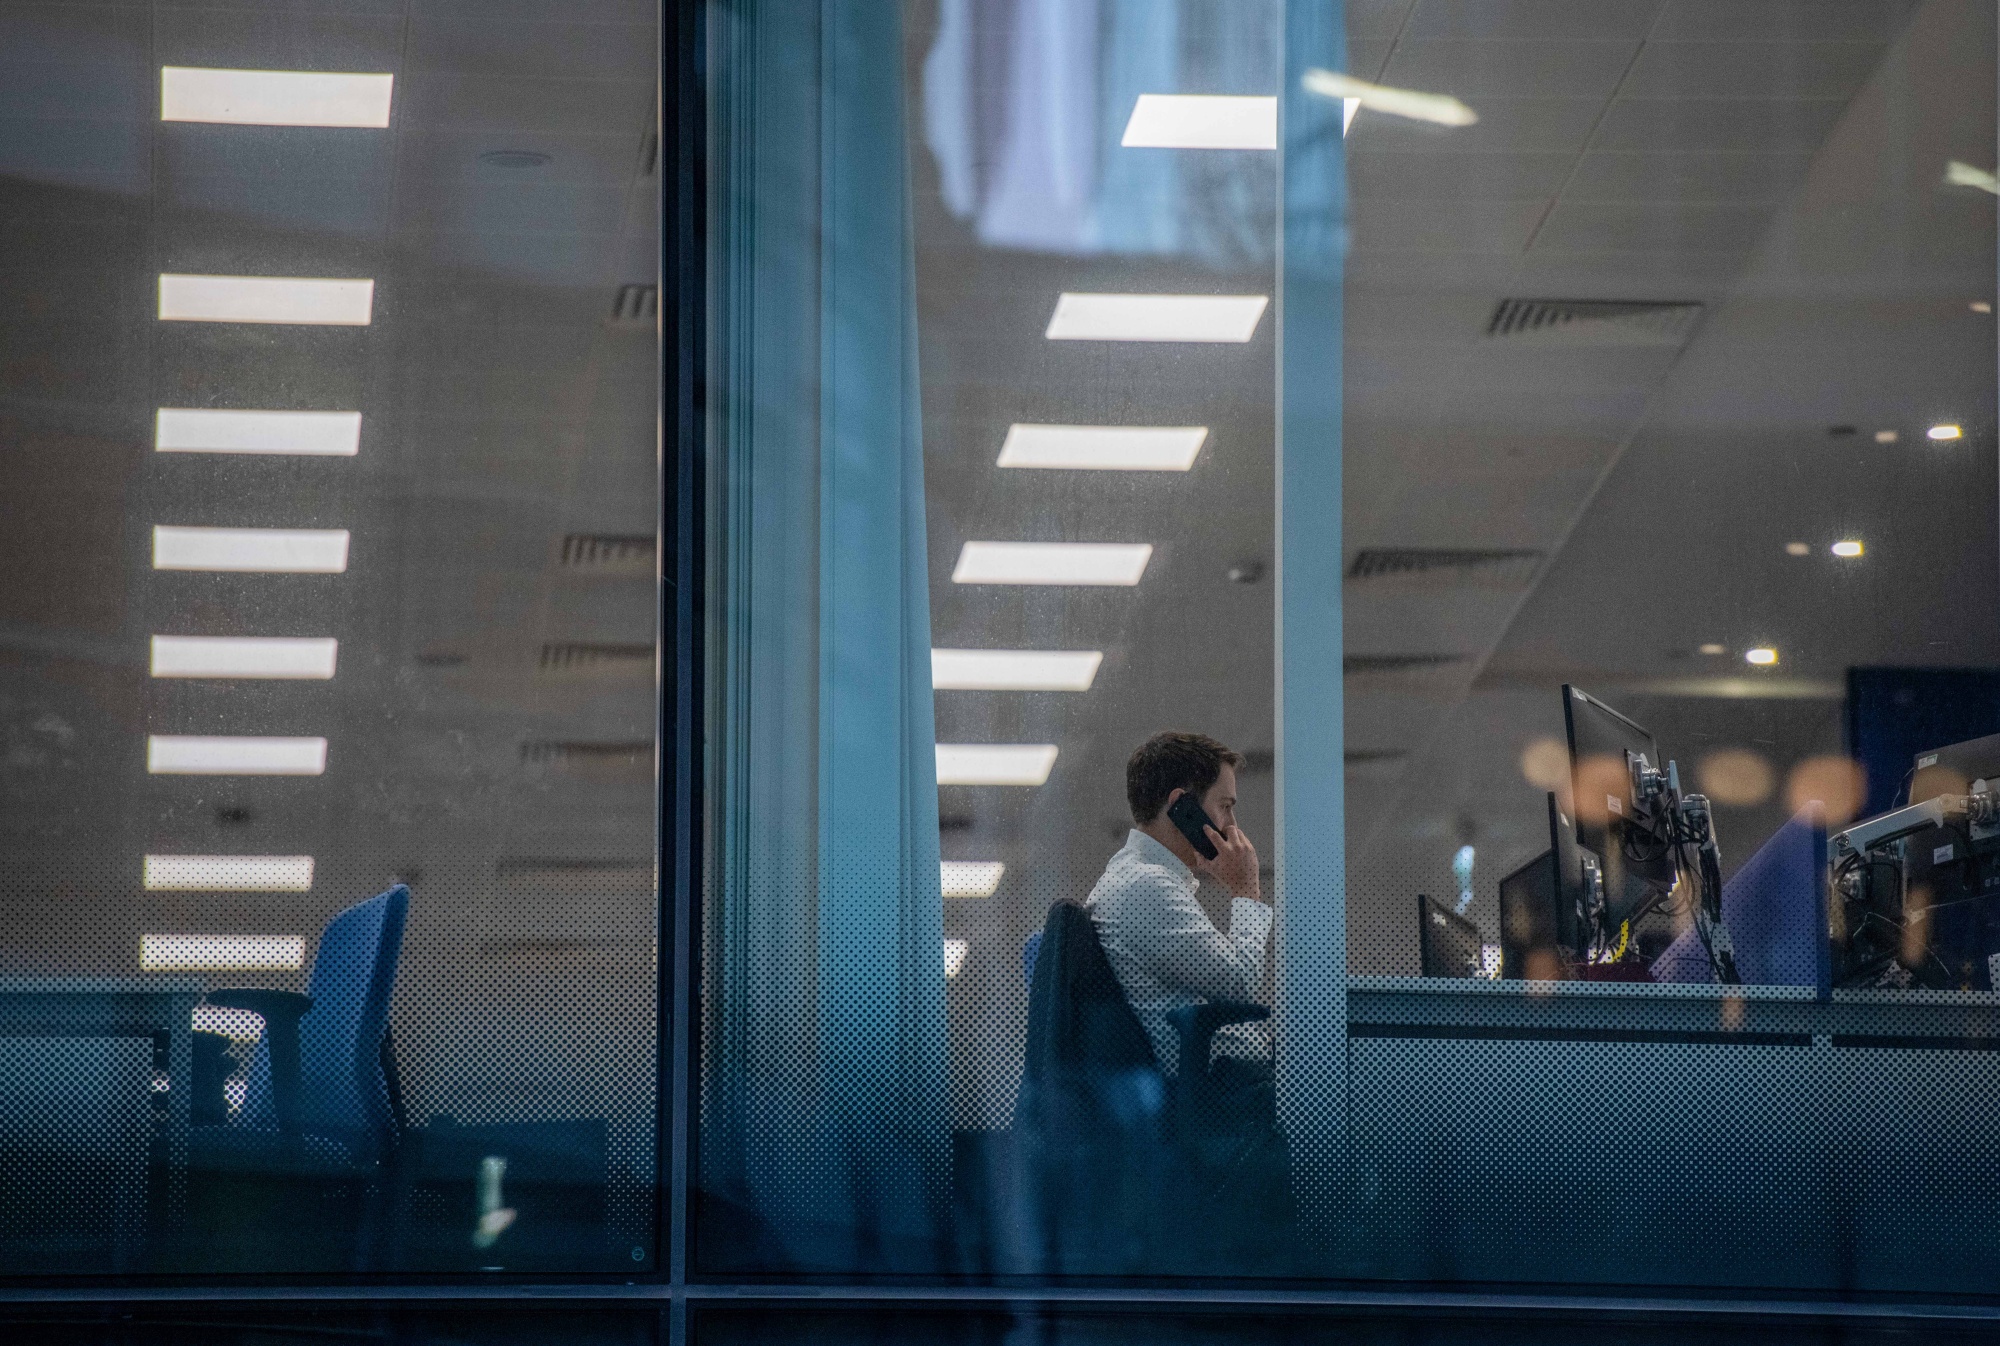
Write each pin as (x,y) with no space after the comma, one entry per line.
(342,1090)
(1078,1018)
(1775,908)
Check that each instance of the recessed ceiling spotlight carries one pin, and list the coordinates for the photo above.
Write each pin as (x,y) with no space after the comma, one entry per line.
(1944,432)
(514,158)
(1797,549)
(1885,436)
(1847,547)
(1713,648)
(1763,656)
(1981,306)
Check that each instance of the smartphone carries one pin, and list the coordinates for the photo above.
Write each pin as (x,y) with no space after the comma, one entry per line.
(1187,814)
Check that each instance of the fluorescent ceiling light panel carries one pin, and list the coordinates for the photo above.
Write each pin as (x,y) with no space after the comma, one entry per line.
(221,953)
(229,873)
(244,657)
(188,755)
(954,956)
(332,434)
(1156,317)
(274,97)
(1440,108)
(267,551)
(970,878)
(1119,563)
(1104,448)
(1202,122)
(1014,670)
(994,763)
(268,299)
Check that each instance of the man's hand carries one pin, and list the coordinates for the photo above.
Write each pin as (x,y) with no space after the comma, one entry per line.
(1235,863)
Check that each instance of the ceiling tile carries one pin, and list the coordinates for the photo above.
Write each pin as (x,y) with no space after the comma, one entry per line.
(1658,124)
(1519,19)
(1796,20)
(1543,69)
(1648,226)
(1751,70)
(1511,125)
(1741,177)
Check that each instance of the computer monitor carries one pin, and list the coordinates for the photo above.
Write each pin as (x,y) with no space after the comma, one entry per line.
(1949,917)
(1952,770)
(1637,866)
(1448,944)
(1541,926)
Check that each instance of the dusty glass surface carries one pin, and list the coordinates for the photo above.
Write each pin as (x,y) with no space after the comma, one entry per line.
(328,472)
(1545,454)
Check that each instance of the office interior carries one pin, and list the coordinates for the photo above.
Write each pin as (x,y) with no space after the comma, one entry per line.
(1680,352)
(460,552)
(1632,363)
(1668,378)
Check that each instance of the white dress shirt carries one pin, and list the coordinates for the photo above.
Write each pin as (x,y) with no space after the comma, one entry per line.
(1168,955)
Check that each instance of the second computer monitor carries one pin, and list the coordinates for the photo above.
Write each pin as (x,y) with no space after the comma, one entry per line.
(1601,745)
(1448,944)
(1541,927)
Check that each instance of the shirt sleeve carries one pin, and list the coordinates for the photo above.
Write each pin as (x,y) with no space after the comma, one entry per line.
(1172,936)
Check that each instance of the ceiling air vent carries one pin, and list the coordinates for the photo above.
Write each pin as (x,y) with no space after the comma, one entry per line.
(635,305)
(608,553)
(1595,322)
(609,660)
(1445,567)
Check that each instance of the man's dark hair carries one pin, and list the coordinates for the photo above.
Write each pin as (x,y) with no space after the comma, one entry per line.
(1173,761)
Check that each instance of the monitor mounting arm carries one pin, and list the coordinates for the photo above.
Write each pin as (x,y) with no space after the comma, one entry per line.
(1687,823)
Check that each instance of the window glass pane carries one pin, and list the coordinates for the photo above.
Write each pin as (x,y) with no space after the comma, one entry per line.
(1541,463)
(327,639)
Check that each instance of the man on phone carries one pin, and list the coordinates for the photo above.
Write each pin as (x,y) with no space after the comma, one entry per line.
(1162,946)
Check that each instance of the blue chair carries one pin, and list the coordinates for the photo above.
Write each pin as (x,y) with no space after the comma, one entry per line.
(1775,908)
(1110,1146)
(321,1106)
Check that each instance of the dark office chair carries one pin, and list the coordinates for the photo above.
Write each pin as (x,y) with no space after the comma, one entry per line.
(298,1177)
(1106,1136)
